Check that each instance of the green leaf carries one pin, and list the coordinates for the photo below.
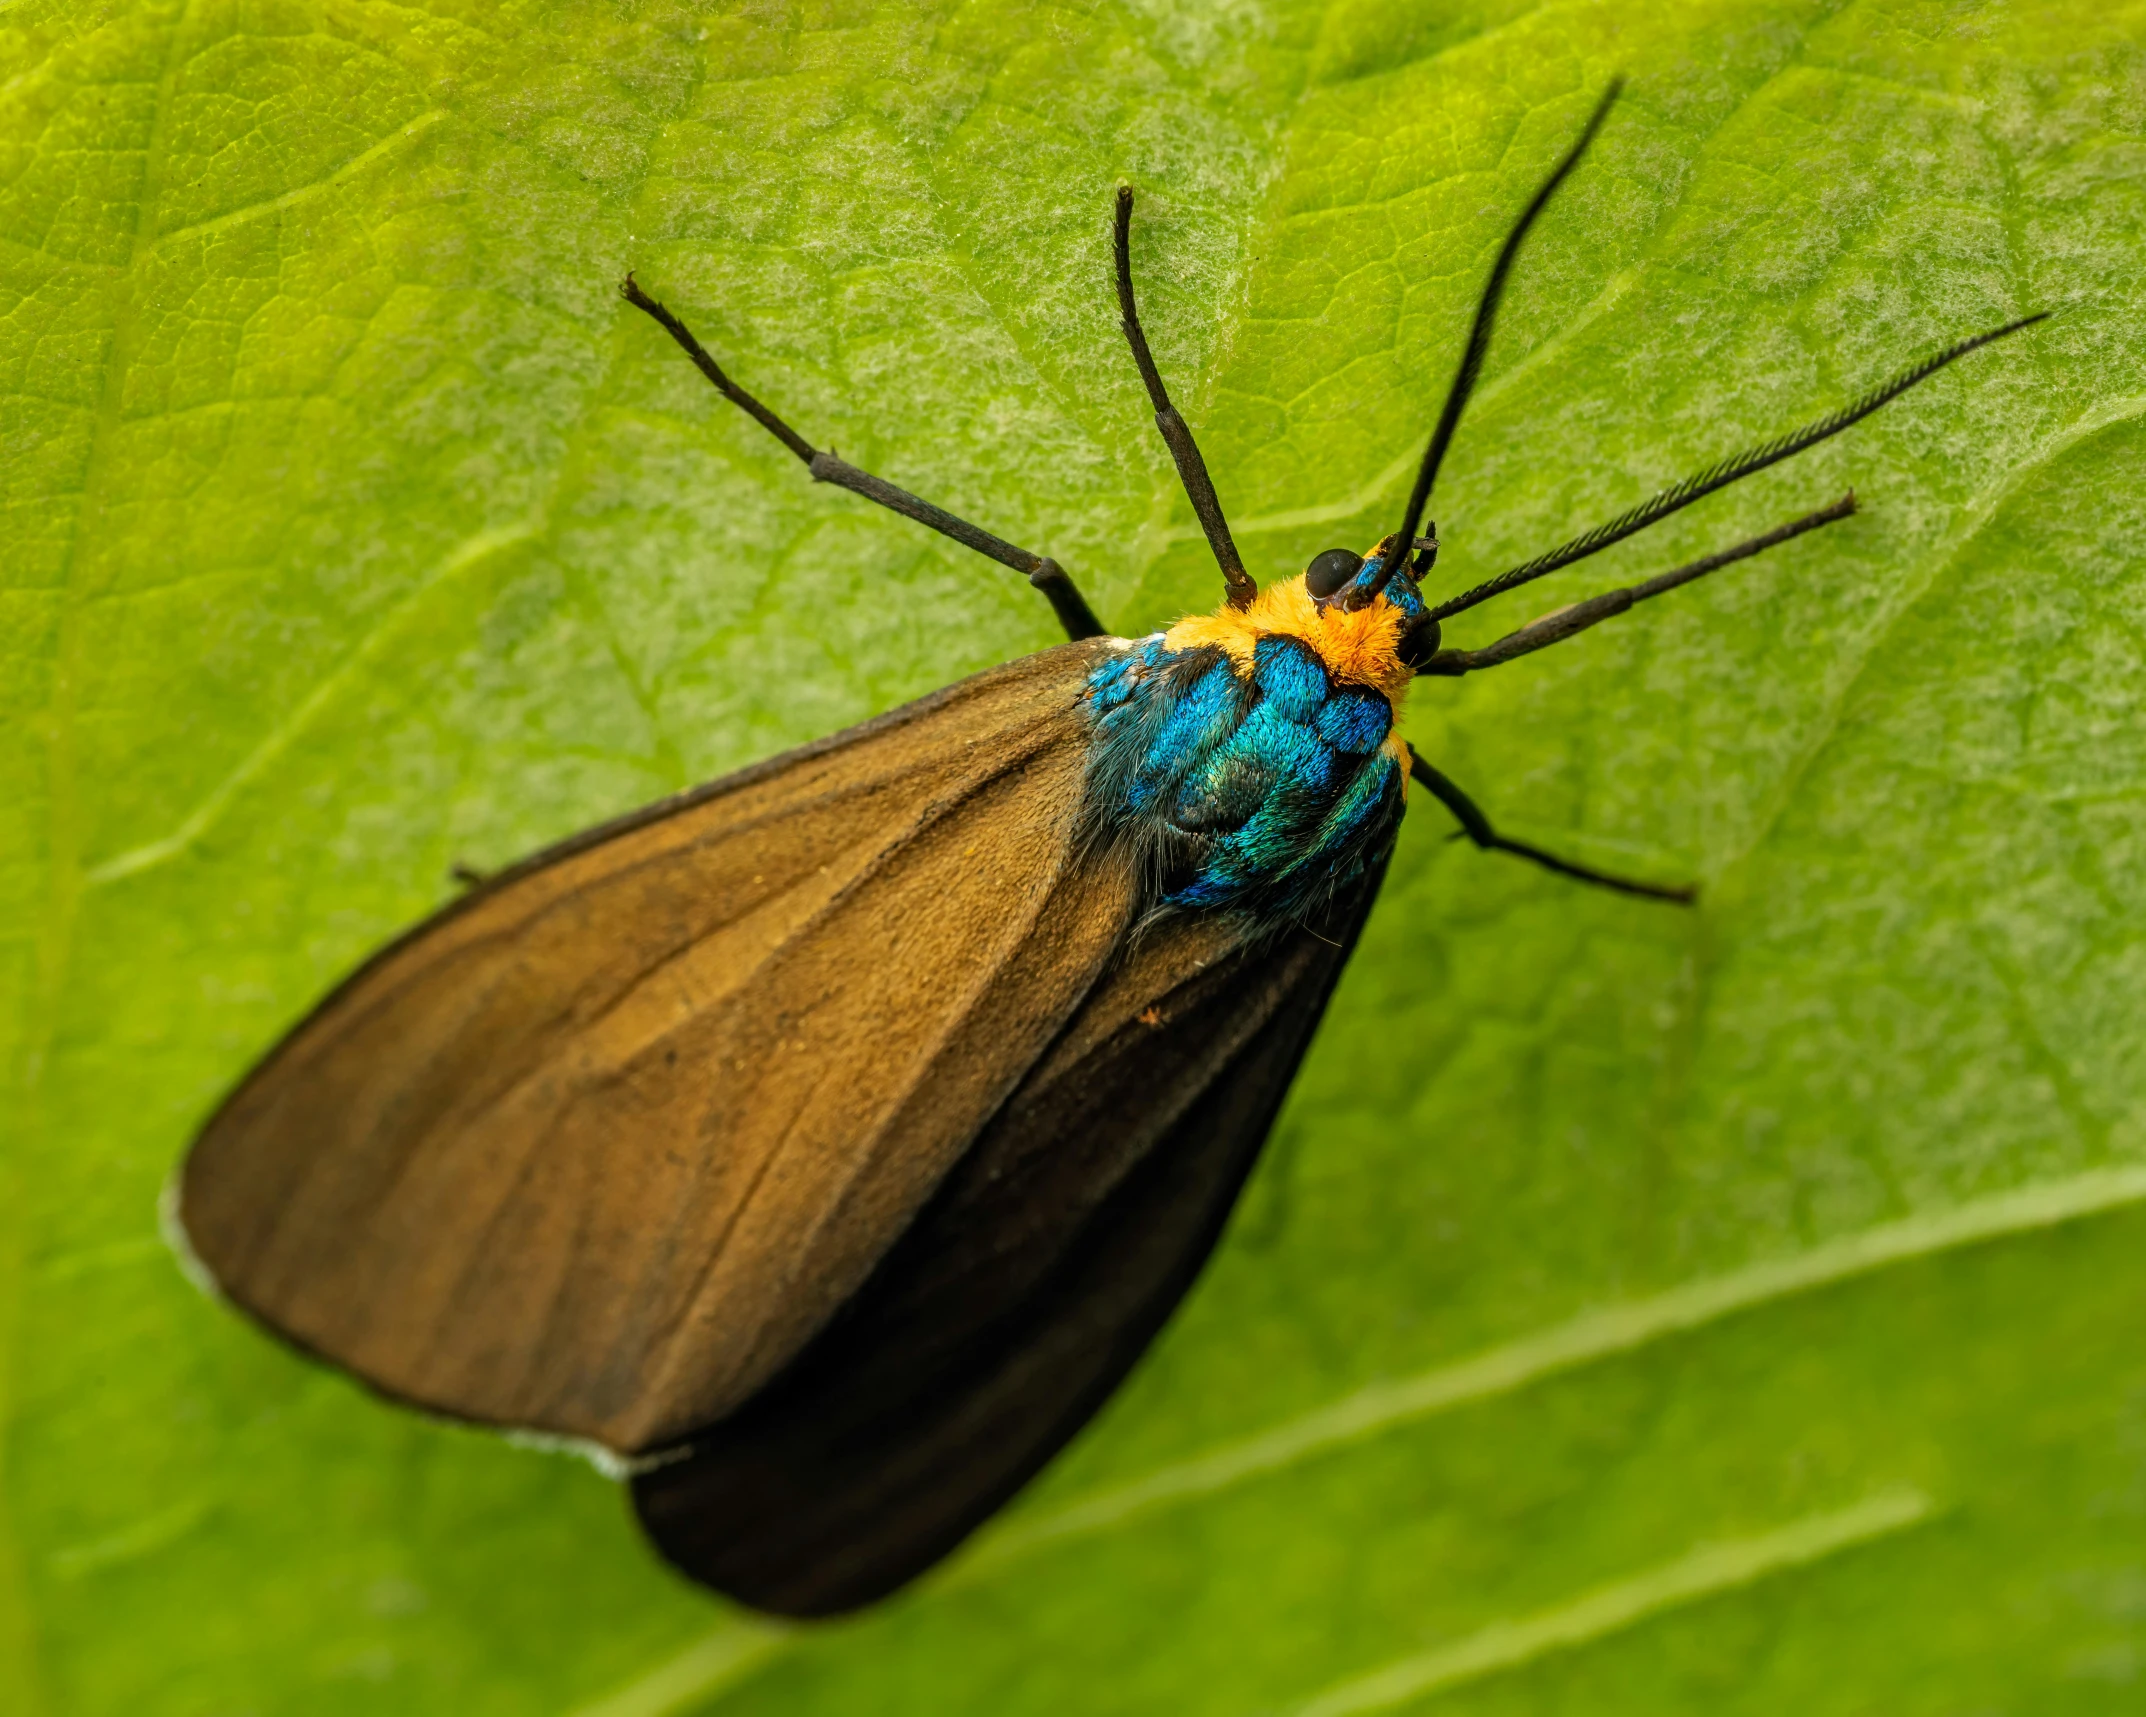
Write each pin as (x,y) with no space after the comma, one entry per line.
(1639,1310)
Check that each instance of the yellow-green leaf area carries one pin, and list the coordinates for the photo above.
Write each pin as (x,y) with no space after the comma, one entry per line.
(1732,1310)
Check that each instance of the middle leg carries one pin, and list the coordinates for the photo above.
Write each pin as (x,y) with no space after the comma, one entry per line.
(1476,826)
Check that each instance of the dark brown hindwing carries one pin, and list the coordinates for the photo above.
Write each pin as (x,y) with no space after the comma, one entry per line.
(1025,1290)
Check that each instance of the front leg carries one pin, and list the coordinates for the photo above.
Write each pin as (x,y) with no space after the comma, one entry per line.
(1044,573)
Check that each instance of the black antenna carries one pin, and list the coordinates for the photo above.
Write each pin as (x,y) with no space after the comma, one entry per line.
(1721,474)
(1569,622)
(1471,363)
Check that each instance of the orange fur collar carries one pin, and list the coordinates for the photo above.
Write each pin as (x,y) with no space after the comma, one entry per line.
(1360,648)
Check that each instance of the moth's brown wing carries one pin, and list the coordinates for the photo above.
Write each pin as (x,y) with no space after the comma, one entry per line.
(600,1147)
(1023,1293)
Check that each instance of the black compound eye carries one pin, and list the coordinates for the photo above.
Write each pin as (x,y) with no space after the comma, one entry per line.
(1418,644)
(1331,570)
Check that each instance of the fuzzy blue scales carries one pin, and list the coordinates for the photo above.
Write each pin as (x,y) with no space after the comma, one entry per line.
(1265,794)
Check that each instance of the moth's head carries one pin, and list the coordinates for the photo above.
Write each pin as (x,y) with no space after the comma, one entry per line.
(1342,582)
(1364,634)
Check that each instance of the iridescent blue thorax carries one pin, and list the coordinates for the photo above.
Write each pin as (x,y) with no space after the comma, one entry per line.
(1249,756)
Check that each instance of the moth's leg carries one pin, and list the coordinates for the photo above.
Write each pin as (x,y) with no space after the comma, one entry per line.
(1720,475)
(1045,574)
(1477,828)
(1566,622)
(1191,468)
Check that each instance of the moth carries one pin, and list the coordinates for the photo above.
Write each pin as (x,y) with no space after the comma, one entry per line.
(826,1143)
